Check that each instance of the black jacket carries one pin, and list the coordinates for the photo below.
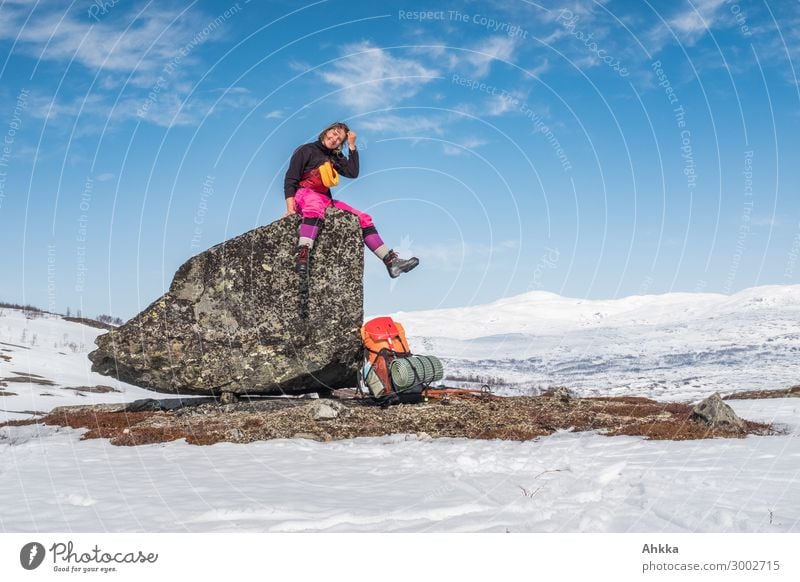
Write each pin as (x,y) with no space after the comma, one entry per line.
(311,155)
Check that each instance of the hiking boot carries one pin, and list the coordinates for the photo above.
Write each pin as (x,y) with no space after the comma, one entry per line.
(395,265)
(301,262)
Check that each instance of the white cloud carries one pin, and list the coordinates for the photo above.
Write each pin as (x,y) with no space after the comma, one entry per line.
(697,19)
(473,142)
(174,109)
(688,25)
(449,255)
(497,48)
(451,150)
(406,124)
(154,52)
(371,77)
(477,58)
(464,147)
(502,104)
(143,48)
(298,66)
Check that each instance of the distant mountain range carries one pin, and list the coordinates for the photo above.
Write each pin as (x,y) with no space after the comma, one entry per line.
(673,346)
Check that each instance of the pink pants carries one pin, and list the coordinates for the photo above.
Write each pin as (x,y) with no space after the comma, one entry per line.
(312,205)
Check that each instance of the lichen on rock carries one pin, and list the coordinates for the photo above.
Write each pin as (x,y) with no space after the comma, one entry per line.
(231,320)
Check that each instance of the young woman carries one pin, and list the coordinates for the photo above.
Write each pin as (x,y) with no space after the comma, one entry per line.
(313,169)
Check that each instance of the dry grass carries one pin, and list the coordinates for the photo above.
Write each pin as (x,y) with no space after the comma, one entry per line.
(21,422)
(794,391)
(99,389)
(90,322)
(28,379)
(518,418)
(116,426)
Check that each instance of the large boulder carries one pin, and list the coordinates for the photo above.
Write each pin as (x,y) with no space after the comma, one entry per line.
(232,321)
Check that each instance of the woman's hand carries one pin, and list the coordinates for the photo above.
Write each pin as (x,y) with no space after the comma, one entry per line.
(351,138)
(291,207)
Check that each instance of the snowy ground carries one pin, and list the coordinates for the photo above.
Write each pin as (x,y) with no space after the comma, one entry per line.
(47,349)
(567,482)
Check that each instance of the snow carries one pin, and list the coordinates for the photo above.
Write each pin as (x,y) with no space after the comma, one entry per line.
(567,482)
(55,349)
(671,347)
(676,346)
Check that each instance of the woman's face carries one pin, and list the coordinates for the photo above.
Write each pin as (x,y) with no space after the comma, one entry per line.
(333,138)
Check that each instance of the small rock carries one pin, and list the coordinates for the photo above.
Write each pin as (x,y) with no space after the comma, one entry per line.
(306,435)
(418,436)
(562,394)
(91,408)
(228,398)
(326,410)
(714,412)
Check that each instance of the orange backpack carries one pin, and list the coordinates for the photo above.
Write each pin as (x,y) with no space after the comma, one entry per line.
(384,340)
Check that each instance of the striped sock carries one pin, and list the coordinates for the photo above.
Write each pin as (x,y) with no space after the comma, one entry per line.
(381,251)
(309,229)
(373,241)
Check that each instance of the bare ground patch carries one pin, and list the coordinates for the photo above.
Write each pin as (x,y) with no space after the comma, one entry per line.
(794,391)
(27,378)
(90,322)
(513,418)
(99,389)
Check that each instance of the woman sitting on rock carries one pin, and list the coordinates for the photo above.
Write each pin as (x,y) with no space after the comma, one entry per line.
(313,169)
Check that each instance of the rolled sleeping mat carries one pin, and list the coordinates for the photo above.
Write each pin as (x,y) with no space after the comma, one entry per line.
(408,372)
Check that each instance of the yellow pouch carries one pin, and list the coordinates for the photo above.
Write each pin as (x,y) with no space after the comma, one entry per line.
(328,174)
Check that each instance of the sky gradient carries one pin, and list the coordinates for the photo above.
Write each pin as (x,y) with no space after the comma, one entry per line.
(590,149)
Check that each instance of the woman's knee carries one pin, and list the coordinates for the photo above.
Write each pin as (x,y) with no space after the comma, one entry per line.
(365,220)
(312,211)
(312,204)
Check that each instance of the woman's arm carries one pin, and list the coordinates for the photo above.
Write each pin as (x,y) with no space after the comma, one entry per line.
(348,167)
(294,173)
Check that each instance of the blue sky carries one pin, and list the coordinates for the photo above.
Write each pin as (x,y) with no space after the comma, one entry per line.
(591,149)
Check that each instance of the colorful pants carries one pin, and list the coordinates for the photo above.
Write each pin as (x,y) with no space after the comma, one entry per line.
(311,205)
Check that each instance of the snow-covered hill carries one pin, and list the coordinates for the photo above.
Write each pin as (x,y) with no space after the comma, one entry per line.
(544,312)
(43,364)
(675,346)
